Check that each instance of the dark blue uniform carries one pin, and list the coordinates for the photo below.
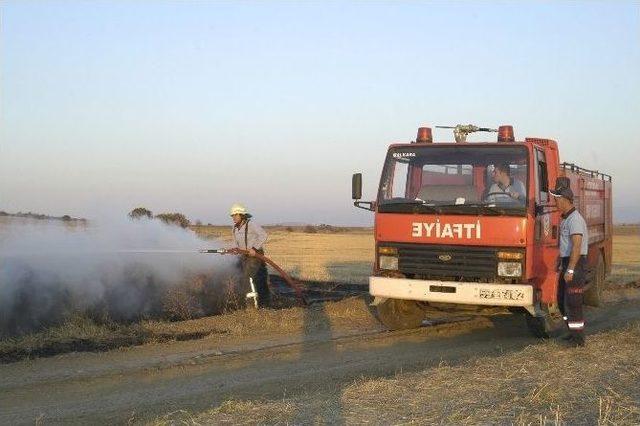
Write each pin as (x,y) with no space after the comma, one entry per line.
(570,294)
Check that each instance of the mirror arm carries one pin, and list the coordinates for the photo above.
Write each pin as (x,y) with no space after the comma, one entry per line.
(542,208)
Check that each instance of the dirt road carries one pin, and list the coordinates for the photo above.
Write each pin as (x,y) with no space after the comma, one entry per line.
(144,382)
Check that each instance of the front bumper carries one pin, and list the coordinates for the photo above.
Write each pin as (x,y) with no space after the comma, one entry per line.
(465,293)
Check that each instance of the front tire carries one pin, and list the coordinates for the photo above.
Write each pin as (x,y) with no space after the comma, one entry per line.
(397,314)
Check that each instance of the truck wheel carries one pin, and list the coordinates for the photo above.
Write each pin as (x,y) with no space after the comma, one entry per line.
(544,326)
(397,314)
(593,295)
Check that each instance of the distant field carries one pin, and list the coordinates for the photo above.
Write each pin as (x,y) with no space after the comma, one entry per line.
(347,254)
(626,255)
(627,230)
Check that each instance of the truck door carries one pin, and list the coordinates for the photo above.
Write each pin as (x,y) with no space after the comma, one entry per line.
(545,248)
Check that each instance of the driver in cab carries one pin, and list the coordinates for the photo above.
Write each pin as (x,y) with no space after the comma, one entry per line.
(505,188)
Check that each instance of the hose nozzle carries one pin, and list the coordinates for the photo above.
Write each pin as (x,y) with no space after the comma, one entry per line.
(213,251)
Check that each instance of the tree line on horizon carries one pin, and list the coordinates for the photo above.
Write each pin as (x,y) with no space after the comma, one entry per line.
(178,219)
(175,218)
(40,216)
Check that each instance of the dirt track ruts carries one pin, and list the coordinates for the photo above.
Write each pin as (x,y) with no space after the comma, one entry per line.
(144,382)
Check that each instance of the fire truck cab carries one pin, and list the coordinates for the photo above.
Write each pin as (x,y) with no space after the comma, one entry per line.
(451,237)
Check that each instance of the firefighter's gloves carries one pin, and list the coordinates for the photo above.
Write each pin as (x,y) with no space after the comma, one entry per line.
(252,252)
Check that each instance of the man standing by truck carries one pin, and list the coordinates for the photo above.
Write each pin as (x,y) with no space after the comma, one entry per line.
(251,237)
(574,245)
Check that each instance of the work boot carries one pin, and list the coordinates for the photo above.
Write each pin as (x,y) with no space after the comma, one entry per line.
(566,333)
(578,340)
(574,339)
(566,336)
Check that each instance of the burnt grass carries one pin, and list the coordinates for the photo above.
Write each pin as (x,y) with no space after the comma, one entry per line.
(87,344)
(47,318)
(38,304)
(81,334)
(49,321)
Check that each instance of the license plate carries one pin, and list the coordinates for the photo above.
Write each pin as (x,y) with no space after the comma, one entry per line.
(500,294)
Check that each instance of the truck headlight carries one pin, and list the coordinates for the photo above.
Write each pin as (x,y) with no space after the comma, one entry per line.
(510,269)
(390,263)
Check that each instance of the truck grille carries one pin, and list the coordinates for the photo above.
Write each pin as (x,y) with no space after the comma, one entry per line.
(438,261)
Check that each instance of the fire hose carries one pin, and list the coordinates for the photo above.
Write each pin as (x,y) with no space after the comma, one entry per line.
(290,281)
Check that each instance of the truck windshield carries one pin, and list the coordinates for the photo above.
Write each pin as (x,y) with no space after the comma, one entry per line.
(465,179)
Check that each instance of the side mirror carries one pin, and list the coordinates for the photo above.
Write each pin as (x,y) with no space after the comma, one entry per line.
(356,186)
(356,193)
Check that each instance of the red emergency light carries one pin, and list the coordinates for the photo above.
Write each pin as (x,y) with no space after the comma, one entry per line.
(505,134)
(424,135)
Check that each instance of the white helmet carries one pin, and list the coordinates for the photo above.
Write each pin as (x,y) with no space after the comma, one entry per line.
(237,209)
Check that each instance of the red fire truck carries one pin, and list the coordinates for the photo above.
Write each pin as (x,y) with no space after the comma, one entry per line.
(445,243)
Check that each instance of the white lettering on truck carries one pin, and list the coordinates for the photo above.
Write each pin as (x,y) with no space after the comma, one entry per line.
(446,230)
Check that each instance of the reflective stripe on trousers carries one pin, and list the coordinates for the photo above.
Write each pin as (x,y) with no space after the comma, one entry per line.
(575,325)
(570,295)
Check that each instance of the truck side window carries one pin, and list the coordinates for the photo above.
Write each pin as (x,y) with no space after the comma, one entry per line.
(400,180)
(542,179)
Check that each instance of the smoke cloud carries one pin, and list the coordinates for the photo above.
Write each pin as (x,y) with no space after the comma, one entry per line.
(120,270)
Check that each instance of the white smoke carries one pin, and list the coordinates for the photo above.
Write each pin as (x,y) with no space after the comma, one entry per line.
(52,268)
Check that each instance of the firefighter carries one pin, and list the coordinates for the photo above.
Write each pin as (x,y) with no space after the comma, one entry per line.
(248,235)
(574,244)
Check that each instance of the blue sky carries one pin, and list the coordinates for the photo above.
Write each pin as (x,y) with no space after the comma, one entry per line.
(192,106)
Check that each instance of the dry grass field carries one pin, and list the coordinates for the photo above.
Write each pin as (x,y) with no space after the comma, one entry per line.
(341,256)
(472,372)
(626,255)
(543,384)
